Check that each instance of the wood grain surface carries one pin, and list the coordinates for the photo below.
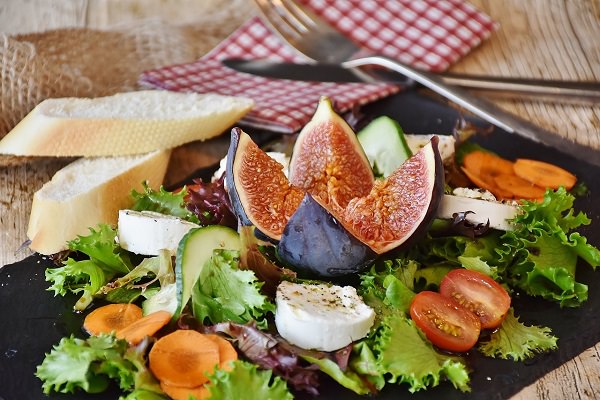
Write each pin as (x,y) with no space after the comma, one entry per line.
(535,39)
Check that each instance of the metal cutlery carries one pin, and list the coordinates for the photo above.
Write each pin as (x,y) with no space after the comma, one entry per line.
(316,40)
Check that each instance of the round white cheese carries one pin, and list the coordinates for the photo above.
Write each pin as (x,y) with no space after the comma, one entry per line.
(147,232)
(321,317)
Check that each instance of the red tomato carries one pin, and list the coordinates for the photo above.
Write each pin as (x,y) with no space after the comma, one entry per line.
(446,324)
(479,293)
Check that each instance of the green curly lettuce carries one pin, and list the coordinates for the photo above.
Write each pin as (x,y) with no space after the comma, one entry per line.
(245,381)
(164,202)
(226,293)
(516,341)
(408,357)
(542,252)
(89,365)
(86,277)
(389,288)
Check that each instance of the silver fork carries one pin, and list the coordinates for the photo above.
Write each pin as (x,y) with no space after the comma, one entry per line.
(315,39)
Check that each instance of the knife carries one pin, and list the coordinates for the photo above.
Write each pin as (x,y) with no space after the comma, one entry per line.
(571,92)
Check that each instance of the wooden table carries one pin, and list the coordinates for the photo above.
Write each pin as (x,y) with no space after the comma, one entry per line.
(536,39)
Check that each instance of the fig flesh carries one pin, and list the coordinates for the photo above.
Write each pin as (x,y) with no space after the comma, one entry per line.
(400,207)
(259,191)
(316,244)
(328,160)
(343,224)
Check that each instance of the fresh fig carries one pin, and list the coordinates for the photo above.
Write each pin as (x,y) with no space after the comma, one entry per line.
(259,191)
(400,207)
(348,218)
(328,160)
(316,244)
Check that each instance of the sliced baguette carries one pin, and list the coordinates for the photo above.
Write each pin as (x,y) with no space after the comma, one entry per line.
(87,192)
(123,124)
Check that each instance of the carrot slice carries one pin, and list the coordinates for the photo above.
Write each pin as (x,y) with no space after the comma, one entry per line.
(227,352)
(184,358)
(486,181)
(111,318)
(544,174)
(135,332)
(181,393)
(477,161)
(520,188)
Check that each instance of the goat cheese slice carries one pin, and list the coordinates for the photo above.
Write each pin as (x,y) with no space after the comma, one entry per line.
(321,317)
(147,232)
(499,214)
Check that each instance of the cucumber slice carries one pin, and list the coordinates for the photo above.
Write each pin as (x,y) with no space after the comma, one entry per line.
(194,250)
(384,144)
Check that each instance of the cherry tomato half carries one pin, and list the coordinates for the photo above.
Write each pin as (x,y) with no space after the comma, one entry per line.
(446,323)
(479,293)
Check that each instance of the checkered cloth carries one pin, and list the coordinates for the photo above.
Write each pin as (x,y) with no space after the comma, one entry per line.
(427,34)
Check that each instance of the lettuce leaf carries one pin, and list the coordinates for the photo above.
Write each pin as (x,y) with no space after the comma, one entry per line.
(348,379)
(404,354)
(245,381)
(543,254)
(86,277)
(164,202)
(513,340)
(271,352)
(364,362)
(389,288)
(88,365)
(209,201)
(226,293)
(157,268)
(102,248)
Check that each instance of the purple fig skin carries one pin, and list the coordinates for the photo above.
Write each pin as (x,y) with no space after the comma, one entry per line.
(315,244)
(229,176)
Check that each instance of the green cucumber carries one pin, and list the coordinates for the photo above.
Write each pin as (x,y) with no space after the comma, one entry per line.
(194,250)
(384,144)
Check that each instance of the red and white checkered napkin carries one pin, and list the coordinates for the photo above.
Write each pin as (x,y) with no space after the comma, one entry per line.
(428,34)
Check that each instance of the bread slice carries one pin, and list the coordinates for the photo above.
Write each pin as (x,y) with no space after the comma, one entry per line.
(123,124)
(87,192)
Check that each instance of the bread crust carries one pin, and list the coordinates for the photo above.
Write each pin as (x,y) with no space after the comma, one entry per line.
(53,221)
(39,134)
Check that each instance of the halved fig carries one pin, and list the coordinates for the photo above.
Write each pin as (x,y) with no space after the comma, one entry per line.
(328,160)
(322,237)
(400,207)
(259,191)
(316,244)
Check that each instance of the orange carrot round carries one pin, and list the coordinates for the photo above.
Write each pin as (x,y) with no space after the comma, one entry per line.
(544,174)
(227,352)
(520,188)
(111,318)
(135,332)
(477,161)
(486,181)
(184,358)
(181,393)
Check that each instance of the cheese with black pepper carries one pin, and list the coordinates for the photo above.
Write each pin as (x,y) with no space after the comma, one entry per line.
(321,317)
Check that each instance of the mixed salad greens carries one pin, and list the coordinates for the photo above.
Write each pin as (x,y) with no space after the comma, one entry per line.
(233,296)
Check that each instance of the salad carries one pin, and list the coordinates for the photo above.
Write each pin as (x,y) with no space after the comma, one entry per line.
(211,298)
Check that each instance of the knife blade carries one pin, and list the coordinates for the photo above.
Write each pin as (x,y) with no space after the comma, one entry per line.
(571,92)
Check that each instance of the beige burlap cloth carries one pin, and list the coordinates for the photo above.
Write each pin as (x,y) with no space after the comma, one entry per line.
(89,63)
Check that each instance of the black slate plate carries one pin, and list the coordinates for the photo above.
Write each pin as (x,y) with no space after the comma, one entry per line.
(32,320)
